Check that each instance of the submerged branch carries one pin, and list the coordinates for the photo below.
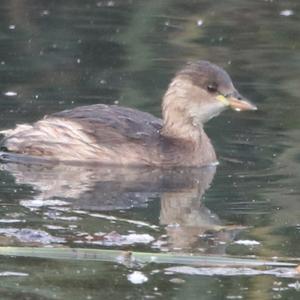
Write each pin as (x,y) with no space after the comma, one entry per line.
(119,256)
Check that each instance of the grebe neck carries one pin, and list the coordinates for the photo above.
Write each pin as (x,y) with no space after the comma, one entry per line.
(177,121)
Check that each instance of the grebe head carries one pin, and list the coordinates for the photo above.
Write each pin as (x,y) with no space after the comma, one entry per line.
(199,92)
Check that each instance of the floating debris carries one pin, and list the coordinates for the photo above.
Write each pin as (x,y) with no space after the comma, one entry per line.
(115,239)
(177,280)
(40,203)
(295,285)
(29,236)
(8,273)
(228,271)
(207,262)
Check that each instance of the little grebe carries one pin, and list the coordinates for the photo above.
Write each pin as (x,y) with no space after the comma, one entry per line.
(125,136)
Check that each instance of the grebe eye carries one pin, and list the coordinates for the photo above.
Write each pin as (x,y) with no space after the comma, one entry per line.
(212,88)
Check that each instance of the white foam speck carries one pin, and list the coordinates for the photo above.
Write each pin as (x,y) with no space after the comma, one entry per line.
(54,227)
(10,93)
(199,23)
(286,13)
(111,3)
(45,13)
(139,238)
(11,221)
(247,242)
(13,274)
(137,277)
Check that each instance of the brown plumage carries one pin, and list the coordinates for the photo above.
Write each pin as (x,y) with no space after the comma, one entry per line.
(123,136)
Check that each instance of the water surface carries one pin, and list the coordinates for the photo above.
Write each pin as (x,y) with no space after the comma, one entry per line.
(56,55)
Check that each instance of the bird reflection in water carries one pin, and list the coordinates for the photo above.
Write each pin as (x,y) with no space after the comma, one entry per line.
(189,225)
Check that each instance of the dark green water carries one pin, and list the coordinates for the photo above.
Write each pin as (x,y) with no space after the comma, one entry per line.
(56,55)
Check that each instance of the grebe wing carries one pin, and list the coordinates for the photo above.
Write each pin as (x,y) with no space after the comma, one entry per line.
(124,121)
(106,134)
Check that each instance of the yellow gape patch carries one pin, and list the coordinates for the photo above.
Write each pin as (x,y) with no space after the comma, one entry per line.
(223,99)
